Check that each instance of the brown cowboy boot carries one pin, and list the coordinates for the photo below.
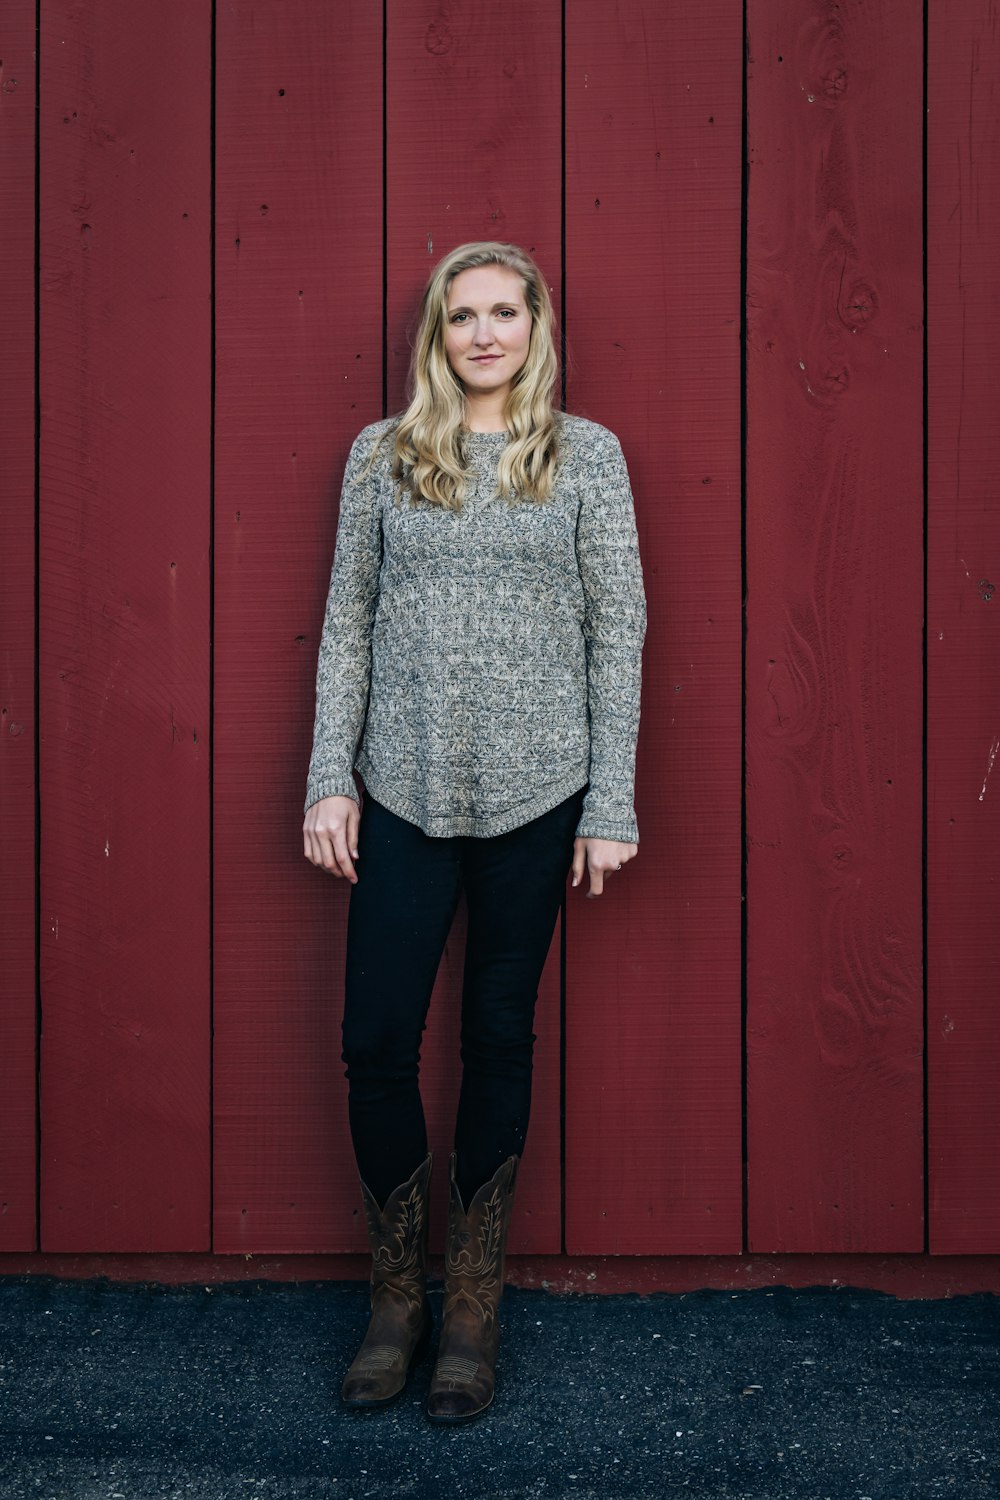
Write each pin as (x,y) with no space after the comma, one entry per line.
(400,1326)
(462,1383)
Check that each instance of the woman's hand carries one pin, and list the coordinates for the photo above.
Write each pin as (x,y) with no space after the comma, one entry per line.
(601,857)
(330,835)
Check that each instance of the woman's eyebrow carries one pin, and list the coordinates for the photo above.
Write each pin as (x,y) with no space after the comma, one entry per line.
(508,302)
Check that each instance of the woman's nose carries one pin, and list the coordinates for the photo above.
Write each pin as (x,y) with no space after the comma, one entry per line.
(484,333)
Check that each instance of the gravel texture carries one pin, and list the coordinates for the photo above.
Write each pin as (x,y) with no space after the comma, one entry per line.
(115,1391)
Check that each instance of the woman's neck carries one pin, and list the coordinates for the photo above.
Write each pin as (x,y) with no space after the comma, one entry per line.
(485,415)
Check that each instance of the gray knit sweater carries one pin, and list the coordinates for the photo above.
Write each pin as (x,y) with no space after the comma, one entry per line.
(478,666)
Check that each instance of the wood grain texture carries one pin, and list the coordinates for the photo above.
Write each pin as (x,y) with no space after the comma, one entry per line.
(963,629)
(653,120)
(18,935)
(834,645)
(125,371)
(473,151)
(298,373)
(834,628)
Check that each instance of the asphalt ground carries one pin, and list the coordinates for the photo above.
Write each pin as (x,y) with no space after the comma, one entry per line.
(137,1391)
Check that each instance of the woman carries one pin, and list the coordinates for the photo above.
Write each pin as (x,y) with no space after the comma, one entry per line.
(479,667)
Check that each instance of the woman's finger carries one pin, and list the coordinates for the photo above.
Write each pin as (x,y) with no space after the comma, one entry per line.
(579,860)
(328,852)
(341,854)
(596,883)
(314,847)
(353,825)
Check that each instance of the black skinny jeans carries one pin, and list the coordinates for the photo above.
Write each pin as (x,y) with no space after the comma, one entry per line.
(401,910)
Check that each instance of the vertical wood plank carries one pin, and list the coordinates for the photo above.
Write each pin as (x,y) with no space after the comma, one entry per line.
(834,627)
(298,374)
(124,625)
(963,629)
(473,151)
(653,101)
(18,935)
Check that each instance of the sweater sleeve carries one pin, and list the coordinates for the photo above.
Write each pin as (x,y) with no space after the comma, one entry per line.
(343,667)
(614,629)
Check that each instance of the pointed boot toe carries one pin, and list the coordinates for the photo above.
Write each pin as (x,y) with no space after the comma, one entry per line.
(456,1397)
(379,1372)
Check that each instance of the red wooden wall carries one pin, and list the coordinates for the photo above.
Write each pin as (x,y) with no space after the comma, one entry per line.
(777,1031)
(18,1104)
(653,122)
(963,631)
(124,644)
(834,528)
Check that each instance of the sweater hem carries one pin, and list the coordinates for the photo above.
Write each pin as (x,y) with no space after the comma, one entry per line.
(450,827)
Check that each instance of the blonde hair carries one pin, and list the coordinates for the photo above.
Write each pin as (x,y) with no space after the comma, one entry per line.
(429,461)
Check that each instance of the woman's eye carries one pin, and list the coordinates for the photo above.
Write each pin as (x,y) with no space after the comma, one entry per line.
(457,318)
(507,312)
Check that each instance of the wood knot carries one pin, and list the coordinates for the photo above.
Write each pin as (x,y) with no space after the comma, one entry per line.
(438,38)
(833,84)
(836,380)
(859,306)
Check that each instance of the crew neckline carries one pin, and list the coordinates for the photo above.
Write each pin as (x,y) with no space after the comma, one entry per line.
(467,432)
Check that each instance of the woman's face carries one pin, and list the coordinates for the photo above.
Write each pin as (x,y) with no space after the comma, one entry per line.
(488,328)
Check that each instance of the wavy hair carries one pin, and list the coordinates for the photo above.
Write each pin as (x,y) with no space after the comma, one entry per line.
(428,459)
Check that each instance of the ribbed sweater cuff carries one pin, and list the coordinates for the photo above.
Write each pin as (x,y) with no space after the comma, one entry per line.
(592,826)
(331,786)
